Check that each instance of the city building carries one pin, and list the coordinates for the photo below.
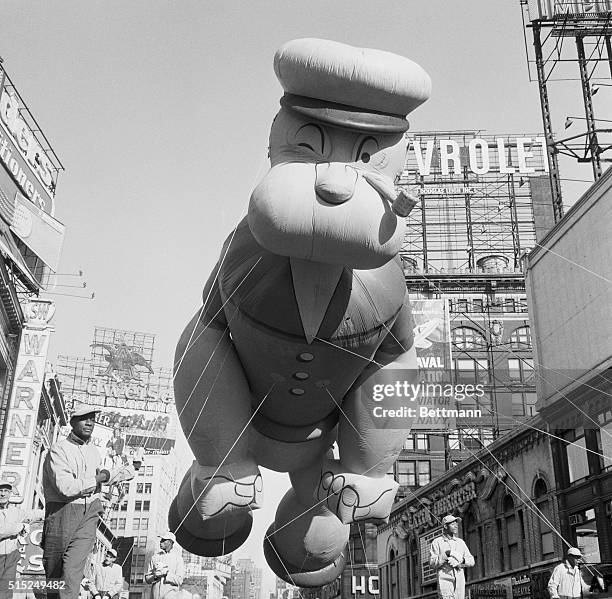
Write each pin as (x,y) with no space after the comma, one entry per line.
(506,496)
(246,580)
(30,246)
(485,201)
(568,281)
(206,576)
(359,578)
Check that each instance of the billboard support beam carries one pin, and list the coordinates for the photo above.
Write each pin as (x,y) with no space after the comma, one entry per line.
(553,163)
(593,144)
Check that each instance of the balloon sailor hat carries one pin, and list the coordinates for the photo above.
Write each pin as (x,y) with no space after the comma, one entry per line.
(358,88)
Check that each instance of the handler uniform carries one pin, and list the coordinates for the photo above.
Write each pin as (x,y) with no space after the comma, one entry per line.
(451,579)
(566,582)
(73,508)
(108,580)
(169,585)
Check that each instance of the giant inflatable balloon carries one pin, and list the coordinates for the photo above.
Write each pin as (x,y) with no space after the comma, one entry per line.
(307,304)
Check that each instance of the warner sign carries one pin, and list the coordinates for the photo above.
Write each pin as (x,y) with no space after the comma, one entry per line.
(25,397)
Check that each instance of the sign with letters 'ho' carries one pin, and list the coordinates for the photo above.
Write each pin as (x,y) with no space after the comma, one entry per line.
(25,397)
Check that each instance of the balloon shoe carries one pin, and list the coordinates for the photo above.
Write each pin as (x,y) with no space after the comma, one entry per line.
(354,497)
(306,545)
(231,487)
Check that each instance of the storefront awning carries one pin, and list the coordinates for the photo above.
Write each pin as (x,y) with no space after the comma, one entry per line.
(9,250)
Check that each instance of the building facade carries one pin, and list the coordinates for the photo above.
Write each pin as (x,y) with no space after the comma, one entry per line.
(570,296)
(245,580)
(206,576)
(506,496)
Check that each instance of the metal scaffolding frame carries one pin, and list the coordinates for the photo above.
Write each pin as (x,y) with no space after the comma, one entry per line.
(589,24)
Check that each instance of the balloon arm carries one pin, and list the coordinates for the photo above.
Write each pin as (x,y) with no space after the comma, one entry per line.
(212,395)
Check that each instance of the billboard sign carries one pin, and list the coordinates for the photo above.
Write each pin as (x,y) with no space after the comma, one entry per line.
(17,448)
(432,340)
(551,9)
(23,156)
(136,400)
(30,552)
(520,155)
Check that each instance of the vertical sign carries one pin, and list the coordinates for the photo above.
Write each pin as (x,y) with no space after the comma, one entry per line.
(17,449)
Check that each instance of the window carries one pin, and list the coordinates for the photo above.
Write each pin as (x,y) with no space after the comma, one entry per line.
(471,371)
(419,442)
(605,441)
(587,538)
(140,561)
(138,506)
(142,541)
(524,404)
(477,305)
(144,524)
(422,442)
(139,487)
(113,523)
(146,506)
(468,338)
(121,524)
(136,524)
(521,338)
(509,305)
(424,472)
(149,470)
(406,473)
(520,369)
(575,450)
(124,505)
(148,487)
(542,502)
(513,534)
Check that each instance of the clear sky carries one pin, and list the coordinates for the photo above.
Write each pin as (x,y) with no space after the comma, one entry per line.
(160,112)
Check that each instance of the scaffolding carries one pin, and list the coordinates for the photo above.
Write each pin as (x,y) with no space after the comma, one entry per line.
(571,42)
(476,212)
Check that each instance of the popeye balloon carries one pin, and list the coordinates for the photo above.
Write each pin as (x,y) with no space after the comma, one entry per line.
(307,304)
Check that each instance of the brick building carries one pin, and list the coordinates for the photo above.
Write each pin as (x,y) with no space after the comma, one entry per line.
(505,494)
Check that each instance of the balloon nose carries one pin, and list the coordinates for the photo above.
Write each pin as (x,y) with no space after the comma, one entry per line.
(335,182)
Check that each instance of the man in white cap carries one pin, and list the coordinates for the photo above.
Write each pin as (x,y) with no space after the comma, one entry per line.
(449,555)
(72,479)
(108,577)
(14,522)
(566,581)
(166,569)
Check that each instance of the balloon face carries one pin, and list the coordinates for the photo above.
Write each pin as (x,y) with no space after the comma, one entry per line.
(327,197)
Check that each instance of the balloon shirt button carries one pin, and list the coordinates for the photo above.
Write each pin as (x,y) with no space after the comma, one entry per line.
(296,391)
(306,357)
(301,376)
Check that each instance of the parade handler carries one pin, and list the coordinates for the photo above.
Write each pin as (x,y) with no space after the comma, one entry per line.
(566,581)
(166,569)
(108,577)
(71,483)
(449,555)
(14,522)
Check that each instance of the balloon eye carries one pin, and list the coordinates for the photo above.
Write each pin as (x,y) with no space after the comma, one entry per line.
(365,157)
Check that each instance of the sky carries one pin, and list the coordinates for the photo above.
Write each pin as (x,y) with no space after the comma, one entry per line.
(160,112)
